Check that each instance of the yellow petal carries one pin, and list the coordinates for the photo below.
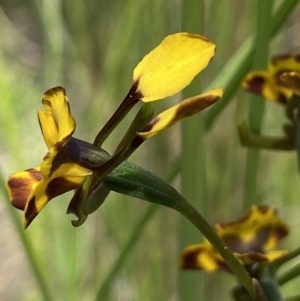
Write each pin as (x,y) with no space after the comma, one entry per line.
(56,122)
(186,108)
(172,65)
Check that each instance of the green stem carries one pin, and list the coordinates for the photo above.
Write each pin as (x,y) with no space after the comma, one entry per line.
(237,67)
(289,275)
(257,104)
(193,170)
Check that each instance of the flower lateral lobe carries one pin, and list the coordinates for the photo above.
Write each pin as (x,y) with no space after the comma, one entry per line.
(21,185)
(269,84)
(186,108)
(172,65)
(251,238)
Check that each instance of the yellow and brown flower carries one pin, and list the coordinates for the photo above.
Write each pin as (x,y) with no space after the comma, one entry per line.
(251,238)
(270,84)
(32,189)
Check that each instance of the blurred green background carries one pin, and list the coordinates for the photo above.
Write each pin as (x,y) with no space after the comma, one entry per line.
(91,48)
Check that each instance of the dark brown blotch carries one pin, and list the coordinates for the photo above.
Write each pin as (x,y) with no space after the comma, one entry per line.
(31,212)
(277,58)
(191,106)
(59,186)
(189,260)
(256,84)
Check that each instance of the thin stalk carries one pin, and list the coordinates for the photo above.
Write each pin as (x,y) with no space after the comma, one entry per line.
(289,275)
(237,67)
(193,172)
(257,103)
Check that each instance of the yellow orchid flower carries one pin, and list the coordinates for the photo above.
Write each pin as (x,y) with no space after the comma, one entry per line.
(269,83)
(172,65)
(32,189)
(251,238)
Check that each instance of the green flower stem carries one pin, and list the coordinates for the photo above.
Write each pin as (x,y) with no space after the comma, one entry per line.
(131,179)
(127,104)
(193,170)
(32,258)
(237,67)
(289,275)
(257,104)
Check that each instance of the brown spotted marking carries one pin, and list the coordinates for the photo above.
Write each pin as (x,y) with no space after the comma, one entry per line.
(192,105)
(31,212)
(59,186)
(256,84)
(280,57)
(264,208)
(297,57)
(20,188)
(35,174)
(280,231)
(189,259)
